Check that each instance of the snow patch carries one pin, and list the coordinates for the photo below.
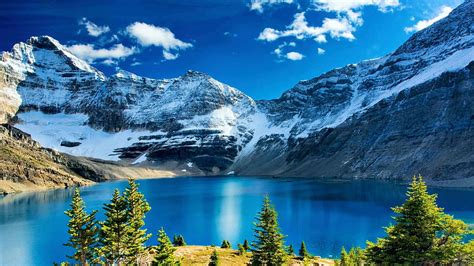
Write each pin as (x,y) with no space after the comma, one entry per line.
(51,129)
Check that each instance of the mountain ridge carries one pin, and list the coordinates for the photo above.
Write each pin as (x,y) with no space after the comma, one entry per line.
(197,124)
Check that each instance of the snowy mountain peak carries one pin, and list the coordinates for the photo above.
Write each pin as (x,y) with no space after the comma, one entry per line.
(122,74)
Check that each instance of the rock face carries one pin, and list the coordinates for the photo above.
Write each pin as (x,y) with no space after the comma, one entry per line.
(25,165)
(406,113)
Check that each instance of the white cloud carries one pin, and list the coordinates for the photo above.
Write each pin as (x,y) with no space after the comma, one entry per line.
(321,51)
(295,56)
(92,28)
(230,34)
(90,54)
(336,27)
(151,35)
(258,5)
(147,35)
(442,13)
(342,26)
(351,5)
(169,56)
(279,50)
(320,39)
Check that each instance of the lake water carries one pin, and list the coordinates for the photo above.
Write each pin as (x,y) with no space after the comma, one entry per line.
(326,215)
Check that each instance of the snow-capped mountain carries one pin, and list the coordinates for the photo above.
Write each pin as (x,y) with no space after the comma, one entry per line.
(406,113)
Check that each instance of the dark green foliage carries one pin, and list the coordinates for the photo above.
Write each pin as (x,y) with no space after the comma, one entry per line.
(115,230)
(290,251)
(303,252)
(226,244)
(164,250)
(344,259)
(467,256)
(355,257)
(246,245)
(137,207)
(214,259)
(82,231)
(178,241)
(268,247)
(241,249)
(422,233)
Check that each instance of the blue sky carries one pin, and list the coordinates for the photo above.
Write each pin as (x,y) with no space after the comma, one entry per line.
(262,47)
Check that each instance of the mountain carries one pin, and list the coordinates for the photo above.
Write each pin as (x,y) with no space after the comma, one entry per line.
(406,113)
(25,165)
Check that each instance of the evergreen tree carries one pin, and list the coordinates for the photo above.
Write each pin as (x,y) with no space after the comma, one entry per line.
(467,255)
(137,207)
(115,230)
(359,257)
(268,248)
(82,231)
(214,259)
(422,233)
(165,250)
(178,241)
(225,244)
(241,249)
(344,259)
(303,252)
(246,245)
(290,251)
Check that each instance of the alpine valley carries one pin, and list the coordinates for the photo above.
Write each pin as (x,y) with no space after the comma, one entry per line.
(409,112)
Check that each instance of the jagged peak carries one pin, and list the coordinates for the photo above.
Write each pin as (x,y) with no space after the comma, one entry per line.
(45,42)
(123,74)
(194,73)
(26,52)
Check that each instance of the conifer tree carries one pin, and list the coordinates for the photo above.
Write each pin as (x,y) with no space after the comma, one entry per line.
(137,207)
(165,250)
(290,251)
(268,247)
(226,244)
(246,245)
(82,231)
(214,259)
(359,257)
(241,249)
(303,252)
(115,230)
(422,233)
(178,241)
(344,259)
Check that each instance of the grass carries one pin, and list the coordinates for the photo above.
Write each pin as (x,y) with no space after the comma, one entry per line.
(200,255)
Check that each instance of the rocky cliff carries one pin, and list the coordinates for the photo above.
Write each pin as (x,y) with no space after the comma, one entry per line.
(406,113)
(25,165)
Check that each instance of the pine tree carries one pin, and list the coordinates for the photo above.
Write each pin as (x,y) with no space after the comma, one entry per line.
(268,248)
(359,257)
(303,252)
(241,249)
(214,259)
(137,207)
(467,255)
(246,245)
(344,259)
(226,244)
(82,231)
(115,230)
(178,241)
(422,232)
(290,251)
(165,250)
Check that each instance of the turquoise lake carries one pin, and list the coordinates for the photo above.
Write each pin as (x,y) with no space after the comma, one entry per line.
(205,210)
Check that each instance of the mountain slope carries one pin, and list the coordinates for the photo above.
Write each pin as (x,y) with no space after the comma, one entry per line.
(26,166)
(405,113)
